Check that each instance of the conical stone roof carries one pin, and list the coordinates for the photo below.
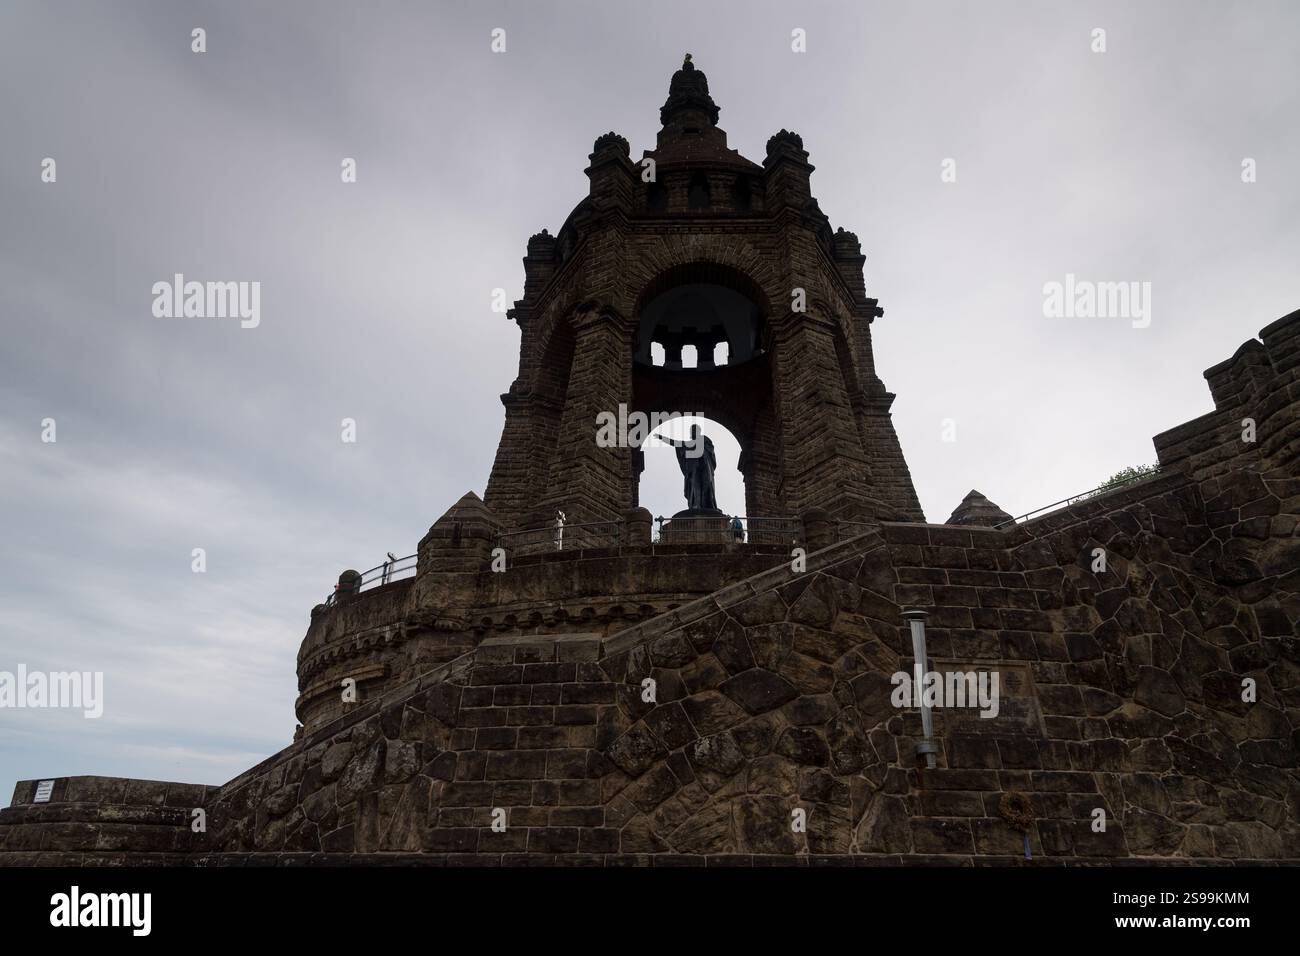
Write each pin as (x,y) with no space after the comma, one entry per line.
(975,509)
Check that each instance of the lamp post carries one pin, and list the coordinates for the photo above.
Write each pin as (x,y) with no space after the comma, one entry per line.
(927,746)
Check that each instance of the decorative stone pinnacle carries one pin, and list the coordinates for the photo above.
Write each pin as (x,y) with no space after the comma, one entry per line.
(784,137)
(611,139)
(977,510)
(688,96)
(847,241)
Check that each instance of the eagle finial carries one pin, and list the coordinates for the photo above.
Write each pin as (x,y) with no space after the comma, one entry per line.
(686,63)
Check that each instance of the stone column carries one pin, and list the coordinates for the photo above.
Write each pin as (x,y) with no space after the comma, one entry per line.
(824,462)
(349,586)
(587,482)
(636,525)
(515,472)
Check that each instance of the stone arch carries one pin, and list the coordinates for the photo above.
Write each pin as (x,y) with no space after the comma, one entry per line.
(849,373)
(739,397)
(820,304)
(708,257)
(700,315)
(551,377)
(724,274)
(568,310)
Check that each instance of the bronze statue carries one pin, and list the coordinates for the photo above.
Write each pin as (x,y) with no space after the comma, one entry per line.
(696,459)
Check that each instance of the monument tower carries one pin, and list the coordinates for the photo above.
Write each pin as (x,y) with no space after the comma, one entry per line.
(695,245)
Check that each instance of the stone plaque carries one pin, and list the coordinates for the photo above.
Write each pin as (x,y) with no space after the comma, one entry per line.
(43,790)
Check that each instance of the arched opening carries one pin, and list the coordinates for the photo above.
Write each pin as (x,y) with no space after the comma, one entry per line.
(717,311)
(661,488)
(552,386)
(741,197)
(553,373)
(656,197)
(700,316)
(697,196)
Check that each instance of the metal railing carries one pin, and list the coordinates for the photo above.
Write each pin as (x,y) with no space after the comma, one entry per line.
(727,529)
(570,537)
(1073,499)
(385,573)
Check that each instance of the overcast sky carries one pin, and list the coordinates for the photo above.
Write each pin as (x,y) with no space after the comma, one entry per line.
(176,434)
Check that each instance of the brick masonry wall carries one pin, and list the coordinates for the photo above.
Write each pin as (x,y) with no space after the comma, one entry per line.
(388,635)
(105,820)
(773,695)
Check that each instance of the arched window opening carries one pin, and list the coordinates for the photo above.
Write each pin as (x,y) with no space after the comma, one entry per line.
(698,195)
(657,357)
(690,357)
(656,197)
(741,197)
(662,483)
(699,317)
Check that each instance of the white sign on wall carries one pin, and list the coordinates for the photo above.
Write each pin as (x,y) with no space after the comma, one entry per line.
(43,790)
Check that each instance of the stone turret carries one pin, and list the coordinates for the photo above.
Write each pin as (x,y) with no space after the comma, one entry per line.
(689,105)
(975,509)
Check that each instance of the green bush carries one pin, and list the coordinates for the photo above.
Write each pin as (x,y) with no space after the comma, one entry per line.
(1124,476)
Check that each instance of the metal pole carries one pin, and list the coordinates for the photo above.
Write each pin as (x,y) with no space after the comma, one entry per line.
(927,746)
